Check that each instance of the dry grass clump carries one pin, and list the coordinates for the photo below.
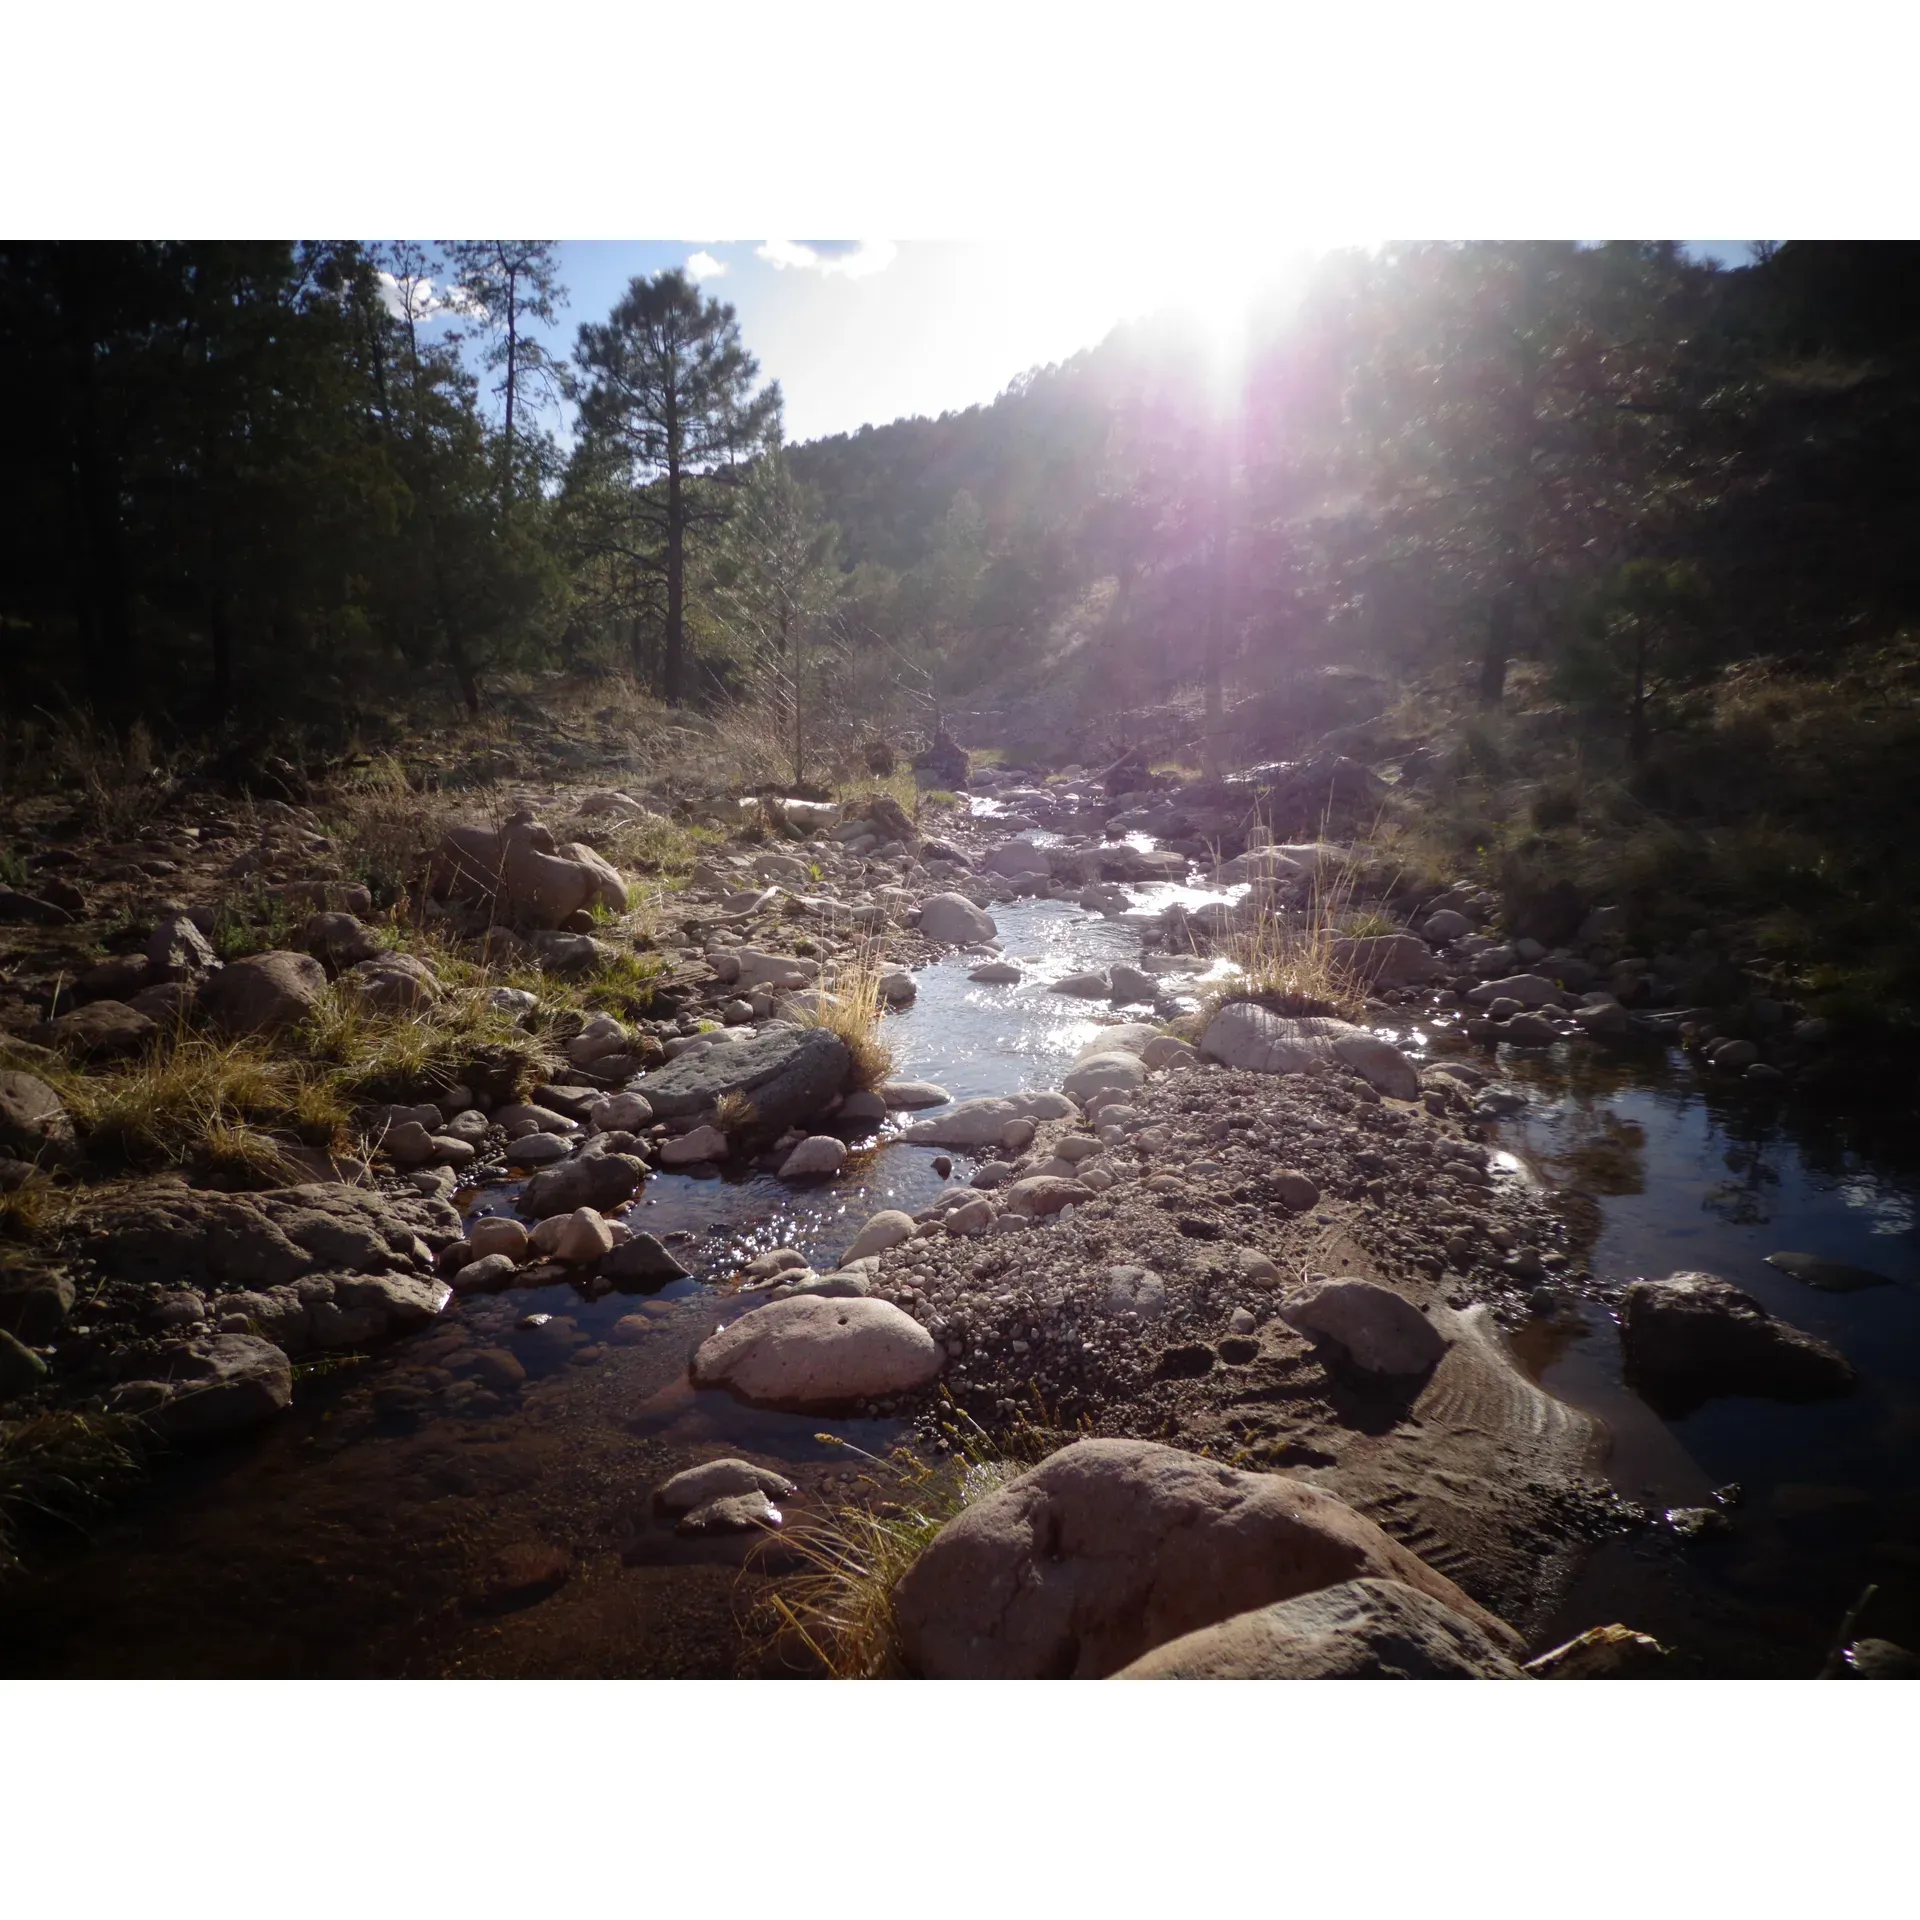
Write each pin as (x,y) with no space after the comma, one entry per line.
(371,1053)
(176,1102)
(121,782)
(386,835)
(850,1009)
(856,1553)
(60,1466)
(1285,957)
(37,1208)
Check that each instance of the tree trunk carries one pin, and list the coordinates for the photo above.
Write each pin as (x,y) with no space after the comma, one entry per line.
(220,633)
(1499,650)
(513,370)
(676,584)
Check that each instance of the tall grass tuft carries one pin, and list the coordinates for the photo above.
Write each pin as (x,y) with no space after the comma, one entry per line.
(60,1466)
(850,1008)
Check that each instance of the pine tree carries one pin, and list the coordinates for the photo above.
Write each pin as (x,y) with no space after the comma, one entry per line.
(666,390)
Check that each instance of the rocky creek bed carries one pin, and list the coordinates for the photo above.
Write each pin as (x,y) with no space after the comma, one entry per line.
(1336,1254)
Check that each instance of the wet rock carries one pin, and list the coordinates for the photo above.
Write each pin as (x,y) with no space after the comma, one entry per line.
(787,1074)
(1358,1630)
(1604,1019)
(1130,986)
(263,994)
(1605,1653)
(1110,1548)
(1529,989)
(34,1122)
(1016,857)
(1528,1030)
(1694,1336)
(887,1228)
(721,1480)
(733,1513)
(806,1353)
(533,1150)
(496,1233)
(1084,986)
(217,1385)
(818,1155)
(488,1273)
(1830,1276)
(952,920)
(642,1258)
(982,1122)
(997,973)
(692,1149)
(898,988)
(524,1573)
(862,1109)
(909,1095)
(622,1113)
(1257,1040)
(584,1238)
(598,1180)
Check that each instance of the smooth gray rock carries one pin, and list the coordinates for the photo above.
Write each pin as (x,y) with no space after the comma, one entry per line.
(980,1123)
(1257,1040)
(217,1385)
(953,920)
(805,1353)
(642,1258)
(1379,1330)
(789,1074)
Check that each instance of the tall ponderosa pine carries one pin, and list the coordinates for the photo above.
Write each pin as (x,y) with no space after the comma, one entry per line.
(505,284)
(666,388)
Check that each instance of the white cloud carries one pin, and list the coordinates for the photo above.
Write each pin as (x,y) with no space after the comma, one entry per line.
(857,262)
(703,266)
(429,301)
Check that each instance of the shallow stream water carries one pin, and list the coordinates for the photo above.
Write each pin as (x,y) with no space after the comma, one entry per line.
(365,1532)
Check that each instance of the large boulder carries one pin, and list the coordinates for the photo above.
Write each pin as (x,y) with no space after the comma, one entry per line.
(1379,1330)
(217,1241)
(981,1122)
(952,920)
(1258,1040)
(519,866)
(788,1074)
(216,1385)
(1013,858)
(1693,1336)
(1359,1630)
(264,993)
(1110,1548)
(34,1123)
(393,983)
(809,1352)
(597,1180)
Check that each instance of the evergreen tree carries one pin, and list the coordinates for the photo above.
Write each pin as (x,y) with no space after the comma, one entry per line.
(666,391)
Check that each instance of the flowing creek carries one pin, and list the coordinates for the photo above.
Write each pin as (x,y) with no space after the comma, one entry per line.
(393,1525)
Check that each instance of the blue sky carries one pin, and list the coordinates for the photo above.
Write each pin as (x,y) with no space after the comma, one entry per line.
(859,331)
